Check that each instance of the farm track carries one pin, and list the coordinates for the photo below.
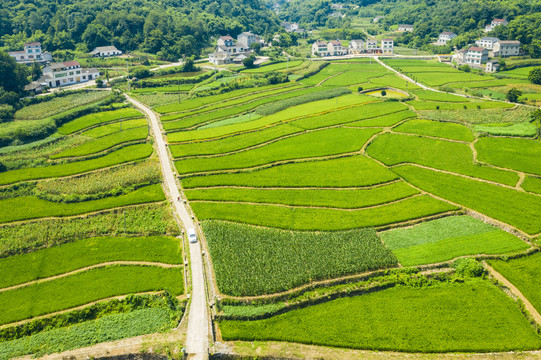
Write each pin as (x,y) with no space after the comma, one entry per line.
(515,291)
(307,206)
(330,77)
(96,266)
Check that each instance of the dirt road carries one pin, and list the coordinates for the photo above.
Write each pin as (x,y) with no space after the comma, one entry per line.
(198,327)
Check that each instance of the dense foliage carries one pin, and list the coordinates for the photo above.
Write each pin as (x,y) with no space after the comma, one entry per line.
(170,29)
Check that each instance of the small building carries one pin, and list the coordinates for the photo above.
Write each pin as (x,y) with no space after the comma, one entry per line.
(405,27)
(494,23)
(487,42)
(106,51)
(476,56)
(35,87)
(377,19)
(226,41)
(291,27)
(336,48)
(246,39)
(372,44)
(506,48)
(356,46)
(67,73)
(492,66)
(460,56)
(387,46)
(32,52)
(445,37)
(320,48)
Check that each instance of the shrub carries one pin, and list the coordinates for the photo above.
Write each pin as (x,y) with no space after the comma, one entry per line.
(535,75)
(468,267)
(383,93)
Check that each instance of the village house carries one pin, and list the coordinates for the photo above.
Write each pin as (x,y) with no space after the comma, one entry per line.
(378,18)
(476,56)
(372,45)
(460,56)
(320,48)
(387,46)
(356,46)
(487,42)
(492,66)
(336,48)
(229,50)
(494,23)
(105,51)
(292,27)
(405,27)
(445,37)
(66,73)
(506,48)
(246,39)
(32,52)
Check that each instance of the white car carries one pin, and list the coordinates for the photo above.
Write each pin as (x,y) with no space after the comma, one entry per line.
(192,235)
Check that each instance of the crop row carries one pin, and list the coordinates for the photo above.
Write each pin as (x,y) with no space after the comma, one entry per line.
(353,77)
(126,154)
(392,149)
(55,295)
(25,208)
(513,207)
(274,67)
(89,120)
(72,256)
(321,219)
(108,129)
(345,199)
(252,261)
(311,144)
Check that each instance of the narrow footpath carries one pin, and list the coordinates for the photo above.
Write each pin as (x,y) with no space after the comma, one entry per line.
(197,341)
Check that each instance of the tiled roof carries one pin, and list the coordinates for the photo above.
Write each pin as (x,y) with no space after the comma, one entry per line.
(476,48)
(71,63)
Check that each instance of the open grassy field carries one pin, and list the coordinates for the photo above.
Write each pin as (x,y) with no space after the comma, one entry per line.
(323,219)
(126,154)
(393,149)
(307,145)
(524,273)
(250,260)
(164,89)
(97,118)
(334,198)
(445,130)
(72,256)
(403,319)
(105,142)
(63,103)
(517,154)
(513,207)
(447,238)
(25,208)
(364,171)
(46,297)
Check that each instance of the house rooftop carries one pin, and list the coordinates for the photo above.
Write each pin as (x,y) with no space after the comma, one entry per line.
(320,43)
(509,42)
(476,48)
(36,43)
(106,48)
(336,42)
(490,38)
(247,33)
(227,37)
(447,33)
(499,20)
(387,40)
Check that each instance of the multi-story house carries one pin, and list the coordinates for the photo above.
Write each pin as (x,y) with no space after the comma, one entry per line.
(246,39)
(336,48)
(106,51)
(356,46)
(445,37)
(372,45)
(32,52)
(320,48)
(492,66)
(460,56)
(66,73)
(487,42)
(494,23)
(506,48)
(476,56)
(405,27)
(387,46)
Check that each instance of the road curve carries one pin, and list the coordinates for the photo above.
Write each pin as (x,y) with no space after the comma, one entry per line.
(197,341)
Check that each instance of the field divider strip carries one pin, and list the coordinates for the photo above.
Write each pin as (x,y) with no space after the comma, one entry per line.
(515,291)
(432,137)
(307,206)
(330,77)
(104,151)
(96,266)
(297,188)
(80,215)
(78,132)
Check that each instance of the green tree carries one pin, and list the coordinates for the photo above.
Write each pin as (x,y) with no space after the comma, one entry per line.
(13,76)
(96,35)
(513,95)
(249,61)
(256,47)
(35,71)
(535,75)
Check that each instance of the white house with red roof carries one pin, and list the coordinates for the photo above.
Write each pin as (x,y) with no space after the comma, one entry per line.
(66,73)
(476,56)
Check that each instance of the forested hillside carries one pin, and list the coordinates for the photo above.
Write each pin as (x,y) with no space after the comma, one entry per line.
(169,28)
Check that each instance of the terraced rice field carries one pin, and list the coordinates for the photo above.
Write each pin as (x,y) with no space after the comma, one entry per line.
(85,211)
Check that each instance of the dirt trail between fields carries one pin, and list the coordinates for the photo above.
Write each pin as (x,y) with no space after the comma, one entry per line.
(330,77)
(515,291)
(96,266)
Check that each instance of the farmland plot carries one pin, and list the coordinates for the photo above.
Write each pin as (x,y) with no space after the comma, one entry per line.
(443,130)
(96,119)
(518,154)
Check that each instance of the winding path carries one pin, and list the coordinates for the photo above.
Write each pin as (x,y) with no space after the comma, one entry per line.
(197,342)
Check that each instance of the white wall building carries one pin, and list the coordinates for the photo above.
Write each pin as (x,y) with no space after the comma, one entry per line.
(487,42)
(492,66)
(67,73)
(320,48)
(356,46)
(106,51)
(506,48)
(405,27)
(246,39)
(336,48)
(32,52)
(476,56)
(387,46)
(445,37)
(494,23)
(228,50)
